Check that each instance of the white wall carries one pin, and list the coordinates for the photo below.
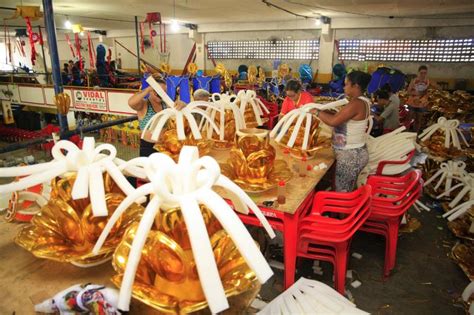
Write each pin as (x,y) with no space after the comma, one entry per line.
(180,47)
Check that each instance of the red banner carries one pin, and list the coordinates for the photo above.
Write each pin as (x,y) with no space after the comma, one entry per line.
(78,50)
(70,46)
(142,40)
(32,41)
(91,49)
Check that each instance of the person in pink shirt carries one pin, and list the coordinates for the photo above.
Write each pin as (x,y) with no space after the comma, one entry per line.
(295,97)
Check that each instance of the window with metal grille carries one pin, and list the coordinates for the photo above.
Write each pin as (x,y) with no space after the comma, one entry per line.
(422,50)
(264,49)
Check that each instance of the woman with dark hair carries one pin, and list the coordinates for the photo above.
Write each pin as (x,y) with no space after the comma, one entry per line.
(147,103)
(417,90)
(295,97)
(350,131)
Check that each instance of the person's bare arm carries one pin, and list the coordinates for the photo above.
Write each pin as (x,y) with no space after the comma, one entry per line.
(345,114)
(136,101)
(411,87)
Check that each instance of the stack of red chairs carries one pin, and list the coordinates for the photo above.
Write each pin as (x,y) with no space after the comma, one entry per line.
(391,199)
(382,164)
(328,238)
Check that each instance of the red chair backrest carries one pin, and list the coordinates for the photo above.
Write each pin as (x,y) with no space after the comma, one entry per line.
(395,194)
(382,164)
(355,205)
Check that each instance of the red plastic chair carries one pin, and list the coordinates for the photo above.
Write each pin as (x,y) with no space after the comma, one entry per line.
(391,198)
(382,164)
(325,238)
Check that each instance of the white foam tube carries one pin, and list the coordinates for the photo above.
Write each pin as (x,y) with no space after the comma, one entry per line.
(26,170)
(239,234)
(206,116)
(432,178)
(136,253)
(328,291)
(307,131)
(261,105)
(203,255)
(193,124)
(447,138)
(459,196)
(80,189)
(127,202)
(287,124)
(294,134)
(35,179)
(180,125)
(222,125)
(455,209)
(161,93)
(97,192)
(421,205)
(229,185)
(31,196)
(159,127)
(323,300)
(134,170)
(303,301)
(446,193)
(441,180)
(279,124)
(257,112)
(461,210)
(468,291)
(463,138)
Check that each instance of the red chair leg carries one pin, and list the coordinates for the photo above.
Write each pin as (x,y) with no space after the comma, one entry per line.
(340,269)
(393,240)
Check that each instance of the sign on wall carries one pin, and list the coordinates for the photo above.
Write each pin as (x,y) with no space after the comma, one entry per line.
(90,100)
(7,112)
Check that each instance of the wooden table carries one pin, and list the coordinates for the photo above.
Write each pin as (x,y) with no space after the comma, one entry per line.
(299,195)
(27,280)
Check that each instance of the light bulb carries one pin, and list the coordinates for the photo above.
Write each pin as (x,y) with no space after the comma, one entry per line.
(81,33)
(318,22)
(174,26)
(68,24)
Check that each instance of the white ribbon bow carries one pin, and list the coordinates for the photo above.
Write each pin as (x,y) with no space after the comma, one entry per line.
(156,124)
(250,97)
(89,163)
(450,129)
(186,185)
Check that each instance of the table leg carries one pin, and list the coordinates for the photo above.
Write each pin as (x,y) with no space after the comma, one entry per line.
(290,228)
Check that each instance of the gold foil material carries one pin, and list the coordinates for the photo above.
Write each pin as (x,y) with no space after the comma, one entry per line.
(166,277)
(170,145)
(252,163)
(229,130)
(464,256)
(315,142)
(65,229)
(62,102)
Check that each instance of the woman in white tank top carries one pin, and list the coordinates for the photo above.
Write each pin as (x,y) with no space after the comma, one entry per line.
(351,128)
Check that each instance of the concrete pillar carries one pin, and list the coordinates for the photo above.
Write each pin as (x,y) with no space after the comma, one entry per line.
(200,51)
(326,53)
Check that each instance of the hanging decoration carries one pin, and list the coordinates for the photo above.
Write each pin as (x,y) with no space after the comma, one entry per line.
(77,41)
(8,49)
(217,259)
(32,40)
(41,40)
(192,69)
(152,17)
(68,40)
(90,47)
